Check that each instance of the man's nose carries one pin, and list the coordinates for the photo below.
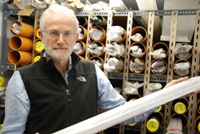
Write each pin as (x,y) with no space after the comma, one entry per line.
(60,37)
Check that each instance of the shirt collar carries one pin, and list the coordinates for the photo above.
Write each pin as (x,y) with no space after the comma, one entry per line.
(48,59)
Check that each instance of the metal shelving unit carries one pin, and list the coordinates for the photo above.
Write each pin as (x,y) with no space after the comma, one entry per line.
(126,76)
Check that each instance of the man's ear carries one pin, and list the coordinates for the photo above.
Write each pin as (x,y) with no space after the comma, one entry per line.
(40,34)
(77,35)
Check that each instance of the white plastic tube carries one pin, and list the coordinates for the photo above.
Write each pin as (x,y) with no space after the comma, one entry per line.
(133,108)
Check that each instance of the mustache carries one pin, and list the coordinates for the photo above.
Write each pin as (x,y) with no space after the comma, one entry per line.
(61,47)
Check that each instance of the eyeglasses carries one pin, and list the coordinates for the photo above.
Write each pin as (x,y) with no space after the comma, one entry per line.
(56,34)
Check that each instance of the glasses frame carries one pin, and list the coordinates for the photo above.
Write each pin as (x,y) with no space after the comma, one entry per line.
(56,34)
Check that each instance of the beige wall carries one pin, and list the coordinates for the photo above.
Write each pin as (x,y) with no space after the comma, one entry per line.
(1,18)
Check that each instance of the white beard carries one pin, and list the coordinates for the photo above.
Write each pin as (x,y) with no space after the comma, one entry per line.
(59,56)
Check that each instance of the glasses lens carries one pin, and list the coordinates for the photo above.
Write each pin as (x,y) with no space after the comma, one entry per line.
(56,34)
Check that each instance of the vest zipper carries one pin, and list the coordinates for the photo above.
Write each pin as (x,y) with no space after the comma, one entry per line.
(68,95)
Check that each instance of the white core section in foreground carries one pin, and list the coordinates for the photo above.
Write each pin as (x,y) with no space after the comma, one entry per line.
(133,108)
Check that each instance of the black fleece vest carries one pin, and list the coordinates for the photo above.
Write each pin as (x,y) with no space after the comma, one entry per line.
(54,104)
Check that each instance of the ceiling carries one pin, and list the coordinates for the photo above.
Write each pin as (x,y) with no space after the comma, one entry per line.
(131,4)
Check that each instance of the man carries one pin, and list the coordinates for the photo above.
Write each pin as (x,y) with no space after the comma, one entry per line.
(60,89)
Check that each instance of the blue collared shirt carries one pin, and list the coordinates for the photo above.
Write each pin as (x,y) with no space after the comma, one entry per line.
(18,104)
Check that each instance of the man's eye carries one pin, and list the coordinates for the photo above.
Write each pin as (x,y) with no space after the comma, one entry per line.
(53,33)
(66,34)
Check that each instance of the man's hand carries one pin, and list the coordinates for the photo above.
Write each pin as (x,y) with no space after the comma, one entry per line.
(173,82)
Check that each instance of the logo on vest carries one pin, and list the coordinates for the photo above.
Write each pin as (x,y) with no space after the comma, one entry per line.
(81,78)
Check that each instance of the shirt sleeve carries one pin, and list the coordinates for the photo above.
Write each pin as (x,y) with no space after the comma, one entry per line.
(17,106)
(141,117)
(109,98)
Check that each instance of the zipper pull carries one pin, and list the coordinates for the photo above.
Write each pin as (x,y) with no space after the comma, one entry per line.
(68,94)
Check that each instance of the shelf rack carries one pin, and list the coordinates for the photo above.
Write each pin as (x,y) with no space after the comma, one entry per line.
(125,75)
(136,14)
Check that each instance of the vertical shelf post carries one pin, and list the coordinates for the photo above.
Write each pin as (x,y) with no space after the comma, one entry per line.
(170,67)
(126,59)
(109,24)
(194,72)
(148,60)
(88,40)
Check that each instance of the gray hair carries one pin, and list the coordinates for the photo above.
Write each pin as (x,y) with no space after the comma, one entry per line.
(56,8)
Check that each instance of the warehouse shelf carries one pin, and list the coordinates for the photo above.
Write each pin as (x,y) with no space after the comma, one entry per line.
(126,18)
